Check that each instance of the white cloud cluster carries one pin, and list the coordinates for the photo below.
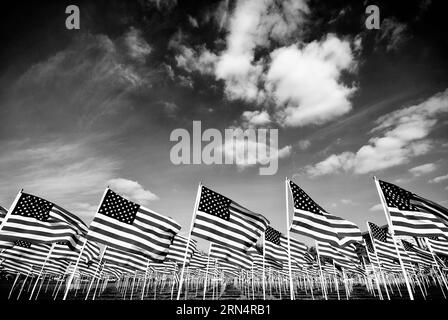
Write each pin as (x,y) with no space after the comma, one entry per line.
(400,136)
(302,80)
(305,82)
(439,179)
(423,169)
(132,190)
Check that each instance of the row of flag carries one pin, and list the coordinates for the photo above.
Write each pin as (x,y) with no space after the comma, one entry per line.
(38,237)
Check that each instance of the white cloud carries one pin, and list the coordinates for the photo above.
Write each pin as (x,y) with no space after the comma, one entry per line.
(61,171)
(377,207)
(190,60)
(423,169)
(245,152)
(305,82)
(439,179)
(402,136)
(304,144)
(132,190)
(193,21)
(138,48)
(393,33)
(347,201)
(256,118)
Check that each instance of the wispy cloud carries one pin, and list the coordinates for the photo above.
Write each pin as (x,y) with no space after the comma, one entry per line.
(132,190)
(423,169)
(401,136)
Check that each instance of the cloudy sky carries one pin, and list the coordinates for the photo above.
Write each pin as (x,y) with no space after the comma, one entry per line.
(83,109)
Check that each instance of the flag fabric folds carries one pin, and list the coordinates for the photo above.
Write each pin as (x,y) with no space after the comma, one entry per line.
(223,221)
(37,220)
(412,215)
(235,257)
(127,226)
(313,221)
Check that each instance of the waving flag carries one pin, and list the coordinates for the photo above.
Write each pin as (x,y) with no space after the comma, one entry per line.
(273,248)
(438,245)
(127,226)
(177,249)
(418,255)
(37,220)
(313,221)
(234,257)
(132,261)
(223,221)
(412,215)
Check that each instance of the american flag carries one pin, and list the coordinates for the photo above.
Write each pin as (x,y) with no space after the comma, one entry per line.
(27,252)
(384,245)
(344,256)
(257,258)
(127,226)
(418,255)
(299,251)
(235,257)
(368,242)
(313,221)
(412,215)
(177,249)
(439,245)
(199,260)
(126,259)
(37,220)
(221,220)
(273,248)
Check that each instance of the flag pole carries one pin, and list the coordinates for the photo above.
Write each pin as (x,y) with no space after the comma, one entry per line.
(181,280)
(377,259)
(321,273)
(96,270)
(11,208)
(428,244)
(42,269)
(146,277)
(70,279)
(386,212)
(206,271)
(263,281)
(291,286)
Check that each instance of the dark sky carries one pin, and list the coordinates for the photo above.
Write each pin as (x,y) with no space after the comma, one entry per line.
(83,109)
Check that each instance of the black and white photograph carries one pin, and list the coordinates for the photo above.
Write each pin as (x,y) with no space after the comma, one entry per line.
(224,158)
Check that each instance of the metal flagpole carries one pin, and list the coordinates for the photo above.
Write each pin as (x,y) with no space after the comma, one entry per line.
(377,259)
(70,279)
(291,286)
(144,281)
(206,271)
(12,288)
(96,270)
(42,269)
(11,208)
(181,280)
(386,212)
(321,273)
(435,261)
(264,270)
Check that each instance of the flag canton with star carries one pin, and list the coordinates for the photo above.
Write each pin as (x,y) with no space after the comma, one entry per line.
(21,243)
(32,206)
(272,235)
(397,197)
(118,208)
(378,233)
(368,242)
(408,246)
(214,204)
(303,202)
